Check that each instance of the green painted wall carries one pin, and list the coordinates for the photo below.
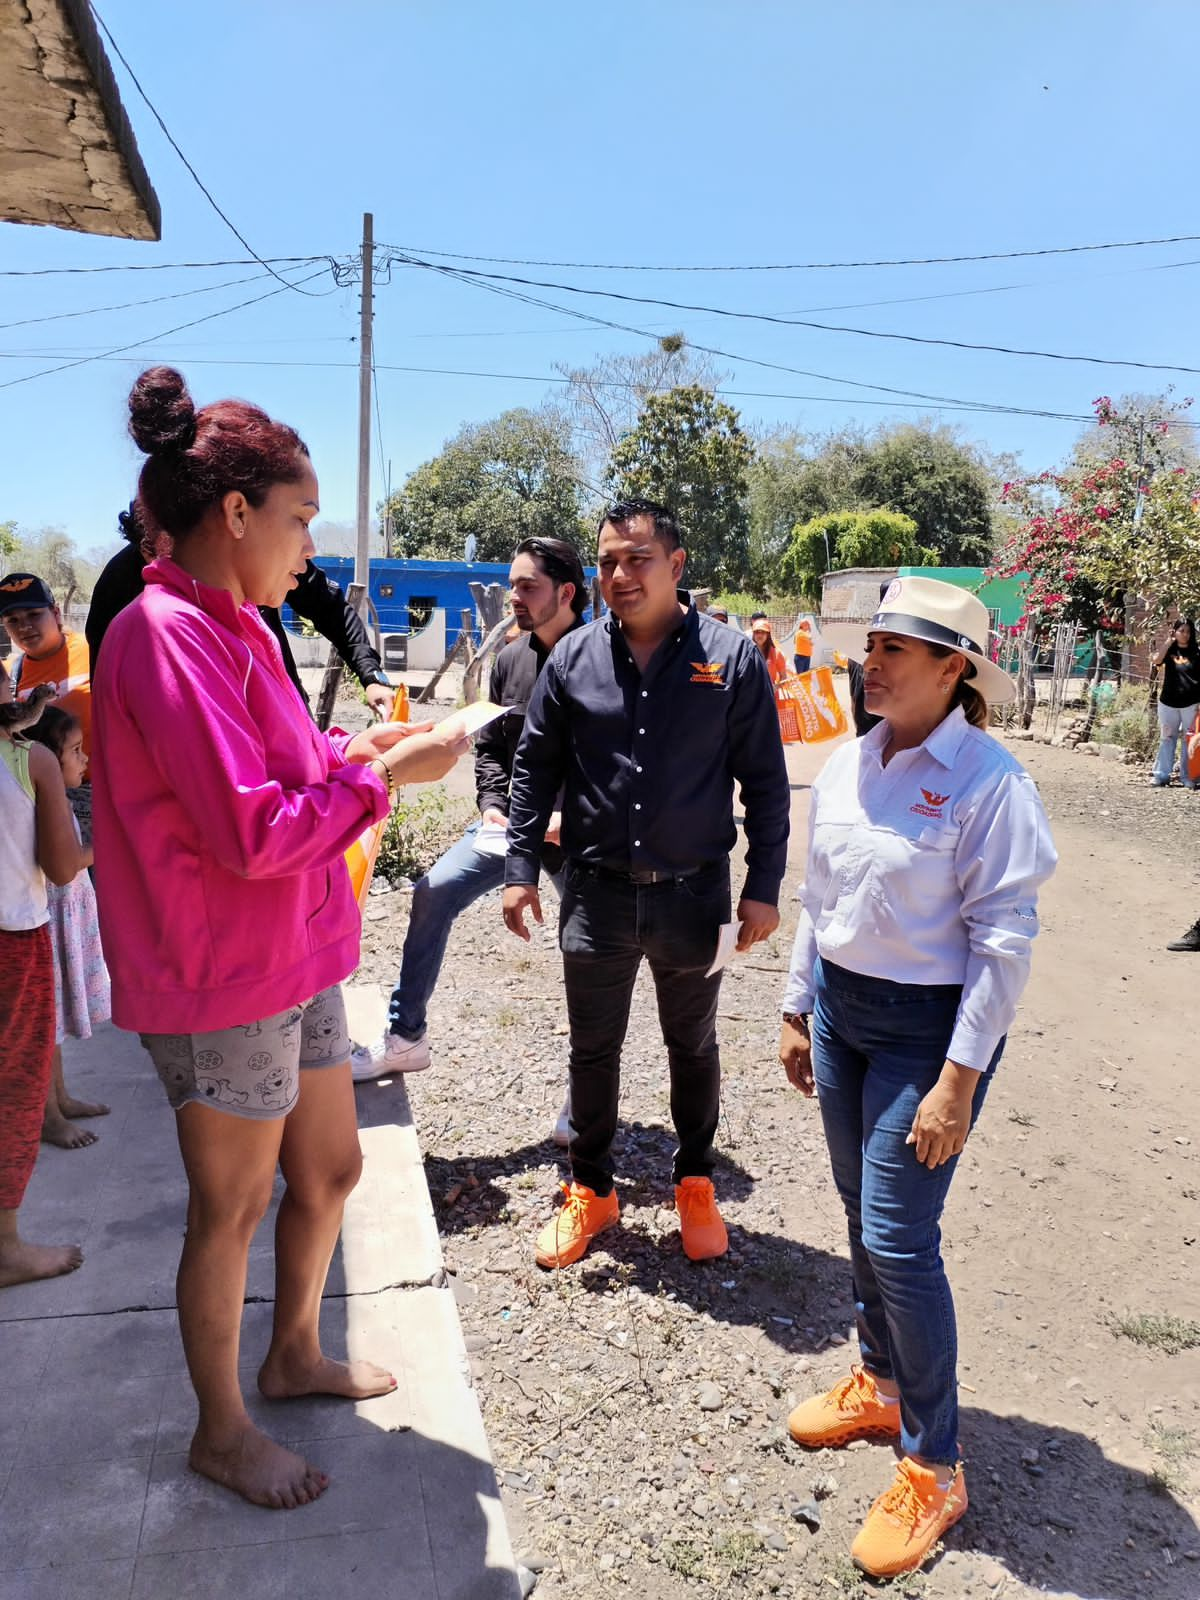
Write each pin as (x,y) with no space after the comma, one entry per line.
(1003,595)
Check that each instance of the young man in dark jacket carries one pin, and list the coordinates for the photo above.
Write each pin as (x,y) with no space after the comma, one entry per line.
(549,594)
(640,728)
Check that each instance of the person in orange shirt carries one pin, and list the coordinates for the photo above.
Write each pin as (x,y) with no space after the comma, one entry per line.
(760,632)
(50,654)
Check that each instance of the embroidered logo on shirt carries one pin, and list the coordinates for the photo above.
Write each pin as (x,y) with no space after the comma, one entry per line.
(932,806)
(707,671)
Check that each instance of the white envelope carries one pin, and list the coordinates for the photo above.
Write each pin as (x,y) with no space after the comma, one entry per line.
(726,945)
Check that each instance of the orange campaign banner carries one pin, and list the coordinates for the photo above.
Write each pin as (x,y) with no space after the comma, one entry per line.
(809,710)
(361,858)
(1193,753)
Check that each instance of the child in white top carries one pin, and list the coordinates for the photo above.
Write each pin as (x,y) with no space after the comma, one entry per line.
(81,987)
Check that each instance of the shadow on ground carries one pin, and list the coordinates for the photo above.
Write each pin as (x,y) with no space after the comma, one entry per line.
(1079,1522)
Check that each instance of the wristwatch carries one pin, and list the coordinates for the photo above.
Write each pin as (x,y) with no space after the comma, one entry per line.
(798,1016)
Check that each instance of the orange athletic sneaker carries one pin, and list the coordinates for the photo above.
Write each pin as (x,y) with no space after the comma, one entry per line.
(581,1217)
(906,1522)
(700,1222)
(852,1409)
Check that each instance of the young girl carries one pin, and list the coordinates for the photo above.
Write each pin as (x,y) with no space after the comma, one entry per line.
(81,995)
(37,841)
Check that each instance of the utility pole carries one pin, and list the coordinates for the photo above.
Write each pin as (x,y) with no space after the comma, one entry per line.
(362,556)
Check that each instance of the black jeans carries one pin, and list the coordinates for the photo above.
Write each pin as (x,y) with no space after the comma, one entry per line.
(605,928)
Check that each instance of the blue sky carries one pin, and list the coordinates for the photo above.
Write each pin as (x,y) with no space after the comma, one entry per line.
(661,132)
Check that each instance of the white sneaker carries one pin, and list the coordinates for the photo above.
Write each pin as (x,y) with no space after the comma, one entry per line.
(561,1132)
(391,1054)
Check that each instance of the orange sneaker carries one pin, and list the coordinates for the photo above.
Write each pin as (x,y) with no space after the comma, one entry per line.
(852,1409)
(906,1522)
(700,1222)
(581,1217)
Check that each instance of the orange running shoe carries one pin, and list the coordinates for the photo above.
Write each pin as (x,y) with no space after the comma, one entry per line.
(581,1217)
(852,1409)
(906,1522)
(700,1222)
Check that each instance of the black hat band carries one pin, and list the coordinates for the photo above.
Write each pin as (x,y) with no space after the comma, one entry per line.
(922,628)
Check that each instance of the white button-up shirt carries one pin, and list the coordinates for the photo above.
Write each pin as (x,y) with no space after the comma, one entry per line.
(926,871)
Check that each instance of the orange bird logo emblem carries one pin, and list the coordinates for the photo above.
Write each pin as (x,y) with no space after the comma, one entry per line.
(932,799)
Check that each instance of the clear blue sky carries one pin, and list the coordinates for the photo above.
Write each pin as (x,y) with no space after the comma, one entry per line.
(666,131)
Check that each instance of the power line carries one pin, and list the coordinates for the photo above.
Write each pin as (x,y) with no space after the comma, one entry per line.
(204,190)
(807,266)
(129,305)
(162,266)
(712,350)
(544,378)
(163,333)
(470,273)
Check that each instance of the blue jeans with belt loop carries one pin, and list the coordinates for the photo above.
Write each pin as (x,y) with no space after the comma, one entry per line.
(878,1048)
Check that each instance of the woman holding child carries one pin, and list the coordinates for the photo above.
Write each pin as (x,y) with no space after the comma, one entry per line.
(222,821)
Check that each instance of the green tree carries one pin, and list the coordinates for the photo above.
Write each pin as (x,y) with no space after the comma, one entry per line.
(851,539)
(950,488)
(501,481)
(51,553)
(689,451)
(945,486)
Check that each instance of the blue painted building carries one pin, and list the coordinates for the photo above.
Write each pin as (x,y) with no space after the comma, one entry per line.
(406,593)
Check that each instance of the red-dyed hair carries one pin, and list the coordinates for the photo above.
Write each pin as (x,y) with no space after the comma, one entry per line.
(195,458)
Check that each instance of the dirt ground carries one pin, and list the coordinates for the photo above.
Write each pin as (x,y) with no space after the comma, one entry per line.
(635,1403)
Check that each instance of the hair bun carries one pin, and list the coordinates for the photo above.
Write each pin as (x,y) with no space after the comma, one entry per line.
(162,415)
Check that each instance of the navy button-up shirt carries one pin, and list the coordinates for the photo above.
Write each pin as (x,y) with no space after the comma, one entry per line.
(647,761)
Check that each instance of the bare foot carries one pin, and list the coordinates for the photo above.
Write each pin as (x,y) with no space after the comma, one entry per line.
(349,1380)
(57,1130)
(70,1107)
(24,1263)
(260,1470)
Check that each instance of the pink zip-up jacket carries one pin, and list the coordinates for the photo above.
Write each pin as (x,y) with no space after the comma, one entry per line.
(222,817)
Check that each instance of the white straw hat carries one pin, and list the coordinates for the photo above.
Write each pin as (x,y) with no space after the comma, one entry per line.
(941,613)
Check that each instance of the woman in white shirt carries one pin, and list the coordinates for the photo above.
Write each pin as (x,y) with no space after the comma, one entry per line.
(927,843)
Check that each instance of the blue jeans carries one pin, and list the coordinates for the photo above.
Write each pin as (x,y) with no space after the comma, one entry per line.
(454,882)
(878,1048)
(1173,725)
(605,929)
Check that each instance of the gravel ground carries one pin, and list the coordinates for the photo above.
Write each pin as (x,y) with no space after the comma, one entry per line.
(635,1403)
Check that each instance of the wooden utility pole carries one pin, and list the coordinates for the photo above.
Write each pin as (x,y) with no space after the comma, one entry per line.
(362,555)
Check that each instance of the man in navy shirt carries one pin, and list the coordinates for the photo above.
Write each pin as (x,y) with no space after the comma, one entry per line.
(644,721)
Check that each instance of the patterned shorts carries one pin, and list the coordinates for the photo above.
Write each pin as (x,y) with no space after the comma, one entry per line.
(253,1071)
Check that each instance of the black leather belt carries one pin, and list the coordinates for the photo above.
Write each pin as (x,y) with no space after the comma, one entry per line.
(611,873)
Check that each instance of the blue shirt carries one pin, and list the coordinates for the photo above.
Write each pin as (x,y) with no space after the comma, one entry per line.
(647,761)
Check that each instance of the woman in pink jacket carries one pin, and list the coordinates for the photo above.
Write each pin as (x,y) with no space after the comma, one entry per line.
(222,817)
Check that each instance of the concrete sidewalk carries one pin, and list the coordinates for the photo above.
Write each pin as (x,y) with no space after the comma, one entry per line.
(96,1412)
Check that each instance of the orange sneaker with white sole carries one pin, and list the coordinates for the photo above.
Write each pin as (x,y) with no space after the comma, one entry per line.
(907,1520)
(852,1409)
(700,1223)
(582,1215)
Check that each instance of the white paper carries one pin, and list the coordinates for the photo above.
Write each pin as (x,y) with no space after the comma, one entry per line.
(726,945)
(492,839)
(471,718)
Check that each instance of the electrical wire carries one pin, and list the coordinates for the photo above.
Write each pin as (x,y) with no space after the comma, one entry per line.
(798,322)
(1074,417)
(723,355)
(204,190)
(129,305)
(806,266)
(162,266)
(163,333)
